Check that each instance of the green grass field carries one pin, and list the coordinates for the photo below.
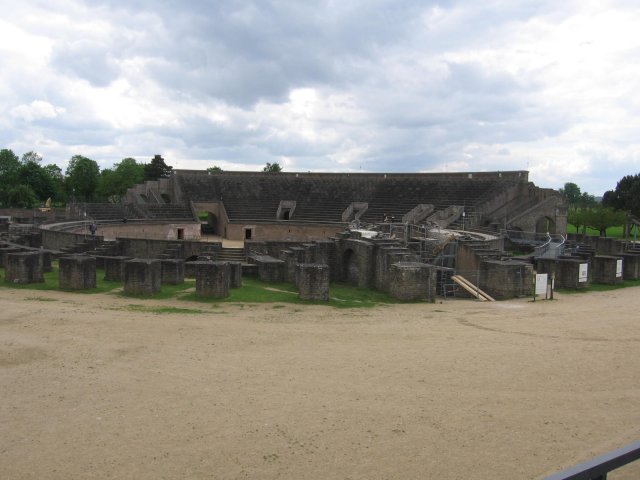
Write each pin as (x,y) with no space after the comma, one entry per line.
(252,291)
(613,232)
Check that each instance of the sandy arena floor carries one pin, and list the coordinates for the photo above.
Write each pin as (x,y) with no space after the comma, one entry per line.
(90,388)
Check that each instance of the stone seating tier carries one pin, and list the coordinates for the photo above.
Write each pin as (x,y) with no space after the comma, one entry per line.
(257,197)
(105,211)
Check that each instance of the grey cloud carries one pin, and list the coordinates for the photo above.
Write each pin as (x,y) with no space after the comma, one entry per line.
(86,59)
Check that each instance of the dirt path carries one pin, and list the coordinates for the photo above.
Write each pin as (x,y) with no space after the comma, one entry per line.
(94,386)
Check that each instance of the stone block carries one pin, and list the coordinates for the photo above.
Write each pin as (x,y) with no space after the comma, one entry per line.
(412,281)
(568,272)
(23,267)
(313,281)
(77,272)
(4,251)
(270,269)
(172,271)
(235,274)
(607,269)
(631,266)
(503,279)
(384,258)
(114,268)
(47,259)
(212,279)
(142,276)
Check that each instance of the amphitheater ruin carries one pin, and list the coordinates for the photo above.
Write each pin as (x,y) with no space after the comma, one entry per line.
(415,236)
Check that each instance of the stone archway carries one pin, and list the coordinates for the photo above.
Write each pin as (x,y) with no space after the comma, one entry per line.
(545,225)
(212,221)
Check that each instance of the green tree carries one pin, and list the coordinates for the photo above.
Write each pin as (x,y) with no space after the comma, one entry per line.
(114,183)
(272,167)
(82,177)
(214,169)
(55,173)
(601,218)
(626,196)
(572,193)
(38,179)
(21,196)
(587,200)
(9,168)
(157,169)
(31,157)
(577,217)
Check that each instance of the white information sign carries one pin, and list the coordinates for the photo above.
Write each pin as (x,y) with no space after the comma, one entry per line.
(583,274)
(619,268)
(541,283)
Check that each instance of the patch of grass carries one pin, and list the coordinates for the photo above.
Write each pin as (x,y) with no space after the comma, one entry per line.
(166,291)
(613,232)
(253,291)
(256,291)
(42,299)
(162,309)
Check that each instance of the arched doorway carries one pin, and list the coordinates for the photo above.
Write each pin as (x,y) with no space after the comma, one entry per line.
(545,225)
(208,223)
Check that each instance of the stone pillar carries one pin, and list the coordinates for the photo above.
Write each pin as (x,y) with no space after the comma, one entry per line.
(4,251)
(47,256)
(172,271)
(142,276)
(313,281)
(270,269)
(607,269)
(212,279)
(384,258)
(631,269)
(235,274)
(569,272)
(325,252)
(412,281)
(291,258)
(504,279)
(23,267)
(77,272)
(114,268)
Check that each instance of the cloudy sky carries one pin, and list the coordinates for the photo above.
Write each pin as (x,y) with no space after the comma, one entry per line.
(351,85)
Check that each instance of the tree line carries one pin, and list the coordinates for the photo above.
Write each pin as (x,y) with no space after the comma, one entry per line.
(620,206)
(26,182)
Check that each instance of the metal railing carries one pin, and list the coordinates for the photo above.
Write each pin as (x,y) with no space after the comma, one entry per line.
(552,248)
(599,467)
